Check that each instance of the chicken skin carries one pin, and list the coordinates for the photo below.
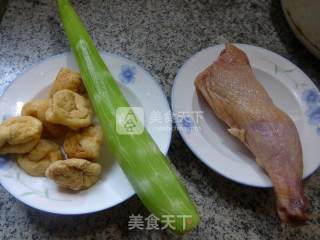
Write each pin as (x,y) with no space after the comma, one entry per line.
(237,98)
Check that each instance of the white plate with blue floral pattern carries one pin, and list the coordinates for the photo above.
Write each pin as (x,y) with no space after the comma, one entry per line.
(140,89)
(208,138)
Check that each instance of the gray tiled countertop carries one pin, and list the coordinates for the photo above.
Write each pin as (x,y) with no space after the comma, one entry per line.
(160,36)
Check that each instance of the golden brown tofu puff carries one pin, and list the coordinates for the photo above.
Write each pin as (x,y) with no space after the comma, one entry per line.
(19,134)
(67,79)
(85,143)
(37,109)
(38,160)
(69,109)
(75,174)
(4,135)
(19,148)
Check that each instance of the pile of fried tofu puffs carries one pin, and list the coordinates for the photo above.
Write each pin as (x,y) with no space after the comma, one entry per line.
(66,116)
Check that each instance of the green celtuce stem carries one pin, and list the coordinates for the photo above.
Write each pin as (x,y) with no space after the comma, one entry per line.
(147,169)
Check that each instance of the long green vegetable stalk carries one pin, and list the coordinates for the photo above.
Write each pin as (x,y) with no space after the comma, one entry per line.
(147,169)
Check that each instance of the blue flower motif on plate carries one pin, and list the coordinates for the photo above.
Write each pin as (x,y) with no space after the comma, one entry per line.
(187,124)
(314,116)
(4,163)
(5,117)
(312,99)
(127,74)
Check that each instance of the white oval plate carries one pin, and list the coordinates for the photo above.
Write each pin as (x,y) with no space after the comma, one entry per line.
(140,89)
(208,138)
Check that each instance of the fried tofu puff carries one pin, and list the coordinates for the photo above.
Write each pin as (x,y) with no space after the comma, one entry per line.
(85,143)
(39,159)
(67,79)
(4,135)
(75,174)
(19,134)
(69,109)
(37,109)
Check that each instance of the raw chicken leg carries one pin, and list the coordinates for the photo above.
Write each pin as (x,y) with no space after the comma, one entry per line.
(237,98)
